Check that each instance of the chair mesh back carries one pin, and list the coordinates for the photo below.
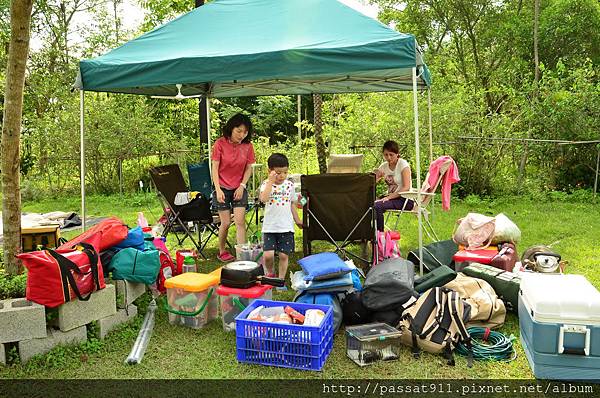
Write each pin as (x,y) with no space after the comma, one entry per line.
(339,201)
(168,180)
(200,180)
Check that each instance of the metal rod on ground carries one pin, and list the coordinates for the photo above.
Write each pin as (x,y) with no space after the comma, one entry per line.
(82,157)
(418,163)
(597,167)
(143,338)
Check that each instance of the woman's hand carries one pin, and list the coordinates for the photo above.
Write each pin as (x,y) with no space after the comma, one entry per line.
(239,192)
(220,195)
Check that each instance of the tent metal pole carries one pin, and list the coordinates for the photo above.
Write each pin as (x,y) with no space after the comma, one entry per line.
(82,156)
(208,134)
(299,118)
(430,126)
(418,164)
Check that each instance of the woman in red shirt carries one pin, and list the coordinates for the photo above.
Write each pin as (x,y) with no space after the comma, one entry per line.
(232,157)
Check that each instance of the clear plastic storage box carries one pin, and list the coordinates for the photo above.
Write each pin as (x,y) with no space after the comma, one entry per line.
(192,299)
(366,344)
(234,301)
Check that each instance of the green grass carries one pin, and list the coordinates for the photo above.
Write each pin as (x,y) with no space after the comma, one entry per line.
(179,352)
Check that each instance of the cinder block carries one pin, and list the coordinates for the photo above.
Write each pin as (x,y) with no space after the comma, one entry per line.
(2,354)
(78,313)
(30,348)
(21,319)
(127,292)
(110,322)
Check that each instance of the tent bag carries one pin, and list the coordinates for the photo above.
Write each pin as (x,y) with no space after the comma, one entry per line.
(56,277)
(112,231)
(436,278)
(435,254)
(135,265)
(505,284)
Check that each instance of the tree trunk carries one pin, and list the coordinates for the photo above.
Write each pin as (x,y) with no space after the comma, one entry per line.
(319,143)
(20,20)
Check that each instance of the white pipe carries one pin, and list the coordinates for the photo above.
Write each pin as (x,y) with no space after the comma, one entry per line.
(430,126)
(418,162)
(82,156)
(208,135)
(299,118)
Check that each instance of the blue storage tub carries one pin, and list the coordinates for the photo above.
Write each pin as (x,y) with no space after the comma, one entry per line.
(283,345)
(559,319)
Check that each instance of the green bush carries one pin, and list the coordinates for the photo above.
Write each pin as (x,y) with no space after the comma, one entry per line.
(12,286)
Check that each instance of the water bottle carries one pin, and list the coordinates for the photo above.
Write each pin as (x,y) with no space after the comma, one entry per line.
(189,264)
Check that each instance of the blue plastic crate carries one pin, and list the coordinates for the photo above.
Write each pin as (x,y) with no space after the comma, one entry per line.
(288,346)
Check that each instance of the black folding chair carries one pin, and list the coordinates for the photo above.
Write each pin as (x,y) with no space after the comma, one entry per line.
(339,210)
(168,181)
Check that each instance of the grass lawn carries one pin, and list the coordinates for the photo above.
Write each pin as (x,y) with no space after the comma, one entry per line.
(179,352)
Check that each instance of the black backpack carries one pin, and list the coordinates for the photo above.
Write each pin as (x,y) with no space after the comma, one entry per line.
(353,310)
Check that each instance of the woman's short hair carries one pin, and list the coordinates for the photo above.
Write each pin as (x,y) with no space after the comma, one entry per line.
(391,146)
(235,121)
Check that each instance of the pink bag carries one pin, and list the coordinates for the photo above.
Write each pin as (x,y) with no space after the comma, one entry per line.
(387,247)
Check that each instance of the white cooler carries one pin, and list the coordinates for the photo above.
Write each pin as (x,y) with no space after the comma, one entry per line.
(559,318)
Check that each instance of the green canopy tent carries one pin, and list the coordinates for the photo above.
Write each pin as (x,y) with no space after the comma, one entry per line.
(230,48)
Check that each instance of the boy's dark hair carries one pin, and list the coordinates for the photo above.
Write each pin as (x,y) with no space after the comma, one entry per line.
(391,146)
(235,121)
(277,160)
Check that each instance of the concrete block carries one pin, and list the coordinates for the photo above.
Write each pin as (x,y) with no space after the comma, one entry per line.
(21,319)
(78,313)
(110,322)
(2,354)
(127,292)
(30,348)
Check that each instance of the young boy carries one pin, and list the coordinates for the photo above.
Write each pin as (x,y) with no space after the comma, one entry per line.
(277,193)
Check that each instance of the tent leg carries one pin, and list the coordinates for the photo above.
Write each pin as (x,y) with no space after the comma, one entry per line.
(430,125)
(82,156)
(208,134)
(418,165)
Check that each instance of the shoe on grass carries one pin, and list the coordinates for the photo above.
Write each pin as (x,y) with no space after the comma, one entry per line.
(225,257)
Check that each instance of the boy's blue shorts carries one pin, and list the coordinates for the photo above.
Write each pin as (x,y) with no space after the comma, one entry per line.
(281,242)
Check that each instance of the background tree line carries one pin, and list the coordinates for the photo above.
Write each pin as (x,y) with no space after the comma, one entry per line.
(480,52)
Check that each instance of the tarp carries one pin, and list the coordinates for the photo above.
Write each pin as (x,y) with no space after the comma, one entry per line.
(232,48)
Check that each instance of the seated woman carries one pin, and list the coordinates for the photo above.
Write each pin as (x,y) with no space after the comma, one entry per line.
(396,173)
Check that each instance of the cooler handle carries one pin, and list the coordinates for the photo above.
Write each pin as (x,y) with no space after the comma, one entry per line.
(573,329)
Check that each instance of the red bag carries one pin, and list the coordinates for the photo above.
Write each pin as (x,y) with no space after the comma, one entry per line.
(506,258)
(56,277)
(112,232)
(167,270)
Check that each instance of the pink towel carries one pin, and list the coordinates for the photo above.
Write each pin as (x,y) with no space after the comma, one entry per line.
(449,178)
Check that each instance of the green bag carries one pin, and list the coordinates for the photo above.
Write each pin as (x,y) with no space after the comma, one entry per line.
(435,254)
(506,284)
(135,265)
(436,278)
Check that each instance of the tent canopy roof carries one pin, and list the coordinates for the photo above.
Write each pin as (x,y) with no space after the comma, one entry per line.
(230,48)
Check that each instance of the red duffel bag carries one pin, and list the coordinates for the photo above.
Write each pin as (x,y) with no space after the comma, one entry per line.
(112,232)
(56,277)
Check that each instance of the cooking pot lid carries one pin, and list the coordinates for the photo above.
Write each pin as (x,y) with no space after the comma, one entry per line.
(242,265)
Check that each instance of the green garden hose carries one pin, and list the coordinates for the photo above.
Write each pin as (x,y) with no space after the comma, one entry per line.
(489,345)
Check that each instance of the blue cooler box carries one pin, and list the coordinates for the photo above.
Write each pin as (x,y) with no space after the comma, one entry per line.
(559,318)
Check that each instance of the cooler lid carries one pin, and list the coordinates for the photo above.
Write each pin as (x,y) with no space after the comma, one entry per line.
(252,292)
(561,298)
(373,331)
(192,281)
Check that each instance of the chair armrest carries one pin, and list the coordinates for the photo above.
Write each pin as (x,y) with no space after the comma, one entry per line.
(413,194)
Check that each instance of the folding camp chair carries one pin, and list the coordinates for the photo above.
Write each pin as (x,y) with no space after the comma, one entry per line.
(200,181)
(426,195)
(169,181)
(339,209)
(344,163)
